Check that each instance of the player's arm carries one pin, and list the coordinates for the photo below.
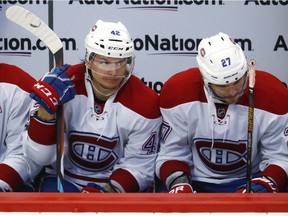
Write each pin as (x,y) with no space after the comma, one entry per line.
(53,89)
(174,159)
(135,171)
(274,151)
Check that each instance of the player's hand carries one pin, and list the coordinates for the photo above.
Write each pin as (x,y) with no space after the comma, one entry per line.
(53,89)
(259,185)
(93,188)
(181,188)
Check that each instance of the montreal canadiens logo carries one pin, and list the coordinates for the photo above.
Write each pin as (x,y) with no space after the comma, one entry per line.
(91,152)
(223,157)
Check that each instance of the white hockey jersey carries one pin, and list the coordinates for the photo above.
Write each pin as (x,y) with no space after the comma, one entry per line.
(209,142)
(15,103)
(120,143)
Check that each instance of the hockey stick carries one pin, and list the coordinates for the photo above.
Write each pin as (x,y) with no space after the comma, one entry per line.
(250,124)
(41,30)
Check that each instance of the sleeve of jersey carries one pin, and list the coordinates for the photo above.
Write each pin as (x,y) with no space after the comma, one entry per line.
(124,181)
(172,166)
(10,176)
(42,132)
(140,151)
(175,153)
(278,175)
(40,142)
(274,149)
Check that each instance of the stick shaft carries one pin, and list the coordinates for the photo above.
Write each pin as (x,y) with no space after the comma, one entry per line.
(250,125)
(60,149)
(59,61)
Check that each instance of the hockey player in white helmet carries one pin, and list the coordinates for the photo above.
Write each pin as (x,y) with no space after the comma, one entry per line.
(112,119)
(204,134)
(118,49)
(223,66)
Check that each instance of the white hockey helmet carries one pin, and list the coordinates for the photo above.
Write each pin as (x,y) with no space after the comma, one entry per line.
(220,60)
(108,39)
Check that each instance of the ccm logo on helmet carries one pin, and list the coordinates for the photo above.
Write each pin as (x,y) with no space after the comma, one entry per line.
(115,48)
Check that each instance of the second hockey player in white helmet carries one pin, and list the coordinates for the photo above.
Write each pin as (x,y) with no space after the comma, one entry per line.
(204,140)
(112,119)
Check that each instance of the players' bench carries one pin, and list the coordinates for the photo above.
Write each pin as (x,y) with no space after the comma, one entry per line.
(142,202)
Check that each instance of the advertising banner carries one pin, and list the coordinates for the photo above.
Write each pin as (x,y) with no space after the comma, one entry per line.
(166,33)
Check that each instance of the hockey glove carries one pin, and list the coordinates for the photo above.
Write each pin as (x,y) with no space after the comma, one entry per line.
(93,188)
(260,185)
(181,188)
(53,89)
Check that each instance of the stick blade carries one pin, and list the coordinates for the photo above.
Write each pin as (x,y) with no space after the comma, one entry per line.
(35,25)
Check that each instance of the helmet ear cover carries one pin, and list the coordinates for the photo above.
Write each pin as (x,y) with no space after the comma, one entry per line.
(129,60)
(221,61)
(91,56)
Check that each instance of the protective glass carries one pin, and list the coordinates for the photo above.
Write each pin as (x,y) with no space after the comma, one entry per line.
(105,65)
(221,92)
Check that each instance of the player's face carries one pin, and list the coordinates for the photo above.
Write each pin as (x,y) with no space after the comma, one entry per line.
(107,73)
(230,93)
